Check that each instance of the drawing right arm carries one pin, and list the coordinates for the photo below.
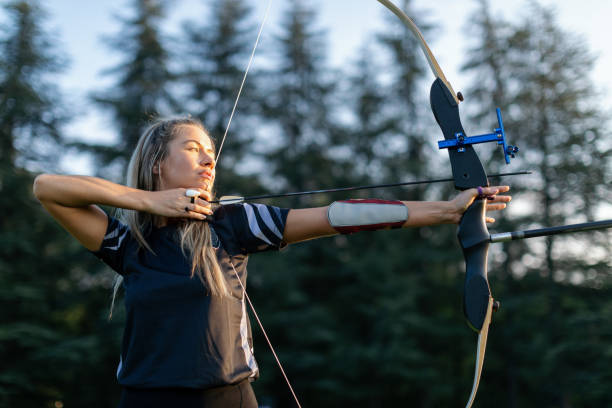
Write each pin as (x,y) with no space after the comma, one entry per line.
(73,201)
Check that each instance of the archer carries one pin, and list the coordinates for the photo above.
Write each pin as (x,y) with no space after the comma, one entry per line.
(186,340)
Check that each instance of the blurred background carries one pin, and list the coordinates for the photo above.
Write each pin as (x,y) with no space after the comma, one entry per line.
(335,97)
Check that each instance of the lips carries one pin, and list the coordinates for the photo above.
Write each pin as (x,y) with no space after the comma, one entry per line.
(206,175)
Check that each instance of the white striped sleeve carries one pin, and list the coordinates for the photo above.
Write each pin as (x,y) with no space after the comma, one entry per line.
(262,227)
(113,245)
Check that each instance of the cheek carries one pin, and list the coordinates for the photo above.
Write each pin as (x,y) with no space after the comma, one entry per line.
(168,169)
(178,166)
(177,161)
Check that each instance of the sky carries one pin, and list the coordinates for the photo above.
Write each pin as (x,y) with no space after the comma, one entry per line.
(81,25)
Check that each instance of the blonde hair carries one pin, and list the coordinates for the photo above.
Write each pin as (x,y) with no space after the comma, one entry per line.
(194,236)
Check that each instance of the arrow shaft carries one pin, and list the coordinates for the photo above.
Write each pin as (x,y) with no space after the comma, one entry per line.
(355,188)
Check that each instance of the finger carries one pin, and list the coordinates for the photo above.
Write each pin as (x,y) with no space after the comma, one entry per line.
(205,206)
(490,220)
(202,191)
(486,192)
(197,216)
(489,191)
(206,195)
(197,192)
(191,192)
(194,214)
(499,199)
(496,207)
(202,202)
(201,209)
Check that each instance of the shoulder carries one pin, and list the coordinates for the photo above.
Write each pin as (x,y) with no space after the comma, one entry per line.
(251,215)
(113,246)
(250,227)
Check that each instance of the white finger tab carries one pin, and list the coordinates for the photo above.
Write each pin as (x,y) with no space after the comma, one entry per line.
(192,193)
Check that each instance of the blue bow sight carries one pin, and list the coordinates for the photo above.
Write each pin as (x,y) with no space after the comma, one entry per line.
(461,141)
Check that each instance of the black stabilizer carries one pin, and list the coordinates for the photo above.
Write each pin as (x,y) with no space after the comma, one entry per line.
(474,240)
(467,169)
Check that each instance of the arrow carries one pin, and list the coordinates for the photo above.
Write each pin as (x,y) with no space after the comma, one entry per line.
(226,200)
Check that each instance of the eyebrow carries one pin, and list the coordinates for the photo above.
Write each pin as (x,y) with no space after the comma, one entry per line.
(199,144)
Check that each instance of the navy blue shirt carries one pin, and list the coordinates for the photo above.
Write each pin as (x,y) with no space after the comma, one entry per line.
(176,334)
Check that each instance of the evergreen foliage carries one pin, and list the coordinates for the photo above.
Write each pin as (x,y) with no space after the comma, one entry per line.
(357,313)
(297,101)
(51,345)
(213,64)
(142,91)
(29,116)
(540,74)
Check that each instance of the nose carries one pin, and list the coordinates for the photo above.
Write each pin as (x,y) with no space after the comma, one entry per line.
(207,160)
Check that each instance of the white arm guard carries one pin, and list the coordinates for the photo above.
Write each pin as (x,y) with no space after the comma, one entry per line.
(350,216)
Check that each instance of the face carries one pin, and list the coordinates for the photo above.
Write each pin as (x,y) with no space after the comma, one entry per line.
(190,162)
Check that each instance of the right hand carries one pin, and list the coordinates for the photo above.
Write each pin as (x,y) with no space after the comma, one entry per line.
(174,203)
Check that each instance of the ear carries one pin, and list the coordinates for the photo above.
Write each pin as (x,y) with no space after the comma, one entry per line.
(157,168)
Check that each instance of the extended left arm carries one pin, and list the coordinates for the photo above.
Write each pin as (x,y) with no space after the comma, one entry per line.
(310,223)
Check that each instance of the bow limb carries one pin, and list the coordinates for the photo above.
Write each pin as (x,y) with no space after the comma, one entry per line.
(478,304)
(433,63)
(480,352)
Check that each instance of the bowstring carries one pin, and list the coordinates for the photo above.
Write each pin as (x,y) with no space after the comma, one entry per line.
(229,123)
(244,77)
(280,366)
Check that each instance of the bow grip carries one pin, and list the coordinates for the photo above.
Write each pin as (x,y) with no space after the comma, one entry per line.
(474,240)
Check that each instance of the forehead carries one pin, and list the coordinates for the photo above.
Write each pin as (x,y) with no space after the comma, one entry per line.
(188,133)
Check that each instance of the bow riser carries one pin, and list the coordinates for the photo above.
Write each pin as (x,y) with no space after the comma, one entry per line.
(473,235)
(468,172)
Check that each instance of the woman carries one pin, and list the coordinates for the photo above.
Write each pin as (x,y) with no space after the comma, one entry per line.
(187,341)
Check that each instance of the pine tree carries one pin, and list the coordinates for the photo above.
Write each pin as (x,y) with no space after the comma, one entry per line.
(47,317)
(215,59)
(360,311)
(143,78)
(539,74)
(30,119)
(410,112)
(418,277)
(298,103)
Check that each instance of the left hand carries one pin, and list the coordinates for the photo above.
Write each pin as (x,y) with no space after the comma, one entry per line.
(496,202)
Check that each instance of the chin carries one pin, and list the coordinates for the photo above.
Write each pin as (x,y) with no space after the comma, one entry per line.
(205,185)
